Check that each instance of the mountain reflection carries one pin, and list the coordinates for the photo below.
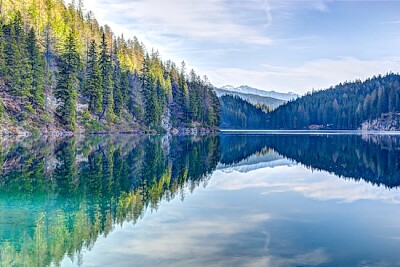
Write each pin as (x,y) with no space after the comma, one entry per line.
(57,198)
(373,158)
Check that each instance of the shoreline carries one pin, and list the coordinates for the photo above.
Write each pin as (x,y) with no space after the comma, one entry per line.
(309,132)
(182,132)
(208,132)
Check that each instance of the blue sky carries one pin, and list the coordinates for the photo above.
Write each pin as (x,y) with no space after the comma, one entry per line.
(272,45)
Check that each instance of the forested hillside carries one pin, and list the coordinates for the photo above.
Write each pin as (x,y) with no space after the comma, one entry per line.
(266,103)
(345,106)
(237,113)
(61,71)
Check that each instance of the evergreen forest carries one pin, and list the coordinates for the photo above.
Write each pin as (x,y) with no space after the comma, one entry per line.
(237,113)
(345,106)
(60,70)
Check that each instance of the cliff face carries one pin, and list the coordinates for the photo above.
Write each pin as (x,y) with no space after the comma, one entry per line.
(387,122)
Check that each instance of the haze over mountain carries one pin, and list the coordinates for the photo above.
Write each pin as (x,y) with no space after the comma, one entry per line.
(266,99)
(245,107)
(245,89)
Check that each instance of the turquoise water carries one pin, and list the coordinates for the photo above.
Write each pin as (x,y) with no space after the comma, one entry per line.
(229,200)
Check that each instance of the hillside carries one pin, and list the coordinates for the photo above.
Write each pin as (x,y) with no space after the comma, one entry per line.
(267,103)
(237,113)
(61,72)
(345,106)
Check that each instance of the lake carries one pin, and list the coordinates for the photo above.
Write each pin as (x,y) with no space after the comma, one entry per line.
(237,199)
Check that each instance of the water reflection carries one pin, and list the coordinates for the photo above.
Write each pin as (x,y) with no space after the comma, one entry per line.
(59,197)
(373,158)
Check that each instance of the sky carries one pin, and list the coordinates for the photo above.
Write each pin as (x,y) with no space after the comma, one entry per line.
(286,46)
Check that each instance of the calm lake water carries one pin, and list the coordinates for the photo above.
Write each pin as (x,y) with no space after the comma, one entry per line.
(228,200)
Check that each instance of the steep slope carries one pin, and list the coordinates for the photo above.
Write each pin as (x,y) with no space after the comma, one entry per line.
(345,106)
(60,71)
(237,113)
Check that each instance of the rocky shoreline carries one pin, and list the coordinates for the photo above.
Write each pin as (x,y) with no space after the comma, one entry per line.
(387,122)
(12,130)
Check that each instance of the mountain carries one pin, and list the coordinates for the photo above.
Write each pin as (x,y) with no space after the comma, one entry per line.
(256,100)
(263,159)
(62,72)
(245,107)
(244,89)
(346,106)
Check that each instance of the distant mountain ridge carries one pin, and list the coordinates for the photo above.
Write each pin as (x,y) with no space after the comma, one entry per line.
(245,89)
(252,98)
(245,107)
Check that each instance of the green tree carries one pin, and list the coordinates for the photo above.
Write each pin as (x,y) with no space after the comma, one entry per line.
(117,83)
(106,79)
(37,68)
(93,80)
(18,76)
(68,84)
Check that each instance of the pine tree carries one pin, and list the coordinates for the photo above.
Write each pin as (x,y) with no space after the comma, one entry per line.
(14,57)
(117,82)
(117,94)
(67,87)
(135,98)
(150,100)
(106,79)
(125,87)
(93,83)
(37,68)
(24,84)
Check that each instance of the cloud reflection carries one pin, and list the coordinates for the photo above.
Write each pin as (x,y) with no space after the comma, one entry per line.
(312,184)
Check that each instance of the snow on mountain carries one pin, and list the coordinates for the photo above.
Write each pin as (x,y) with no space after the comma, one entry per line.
(252,98)
(255,162)
(244,89)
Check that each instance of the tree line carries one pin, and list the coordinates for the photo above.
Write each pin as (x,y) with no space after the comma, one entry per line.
(345,106)
(98,79)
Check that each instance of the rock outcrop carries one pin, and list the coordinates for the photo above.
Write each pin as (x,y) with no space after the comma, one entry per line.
(387,122)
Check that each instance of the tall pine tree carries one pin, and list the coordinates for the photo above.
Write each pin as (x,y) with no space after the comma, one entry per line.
(117,83)
(37,68)
(106,81)
(92,88)
(149,94)
(68,84)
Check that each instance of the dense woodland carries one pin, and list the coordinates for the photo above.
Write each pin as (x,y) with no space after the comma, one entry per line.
(58,66)
(237,113)
(344,106)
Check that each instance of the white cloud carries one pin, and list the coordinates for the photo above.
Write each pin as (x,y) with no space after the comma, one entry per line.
(318,185)
(320,6)
(219,34)
(201,20)
(315,74)
(179,238)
